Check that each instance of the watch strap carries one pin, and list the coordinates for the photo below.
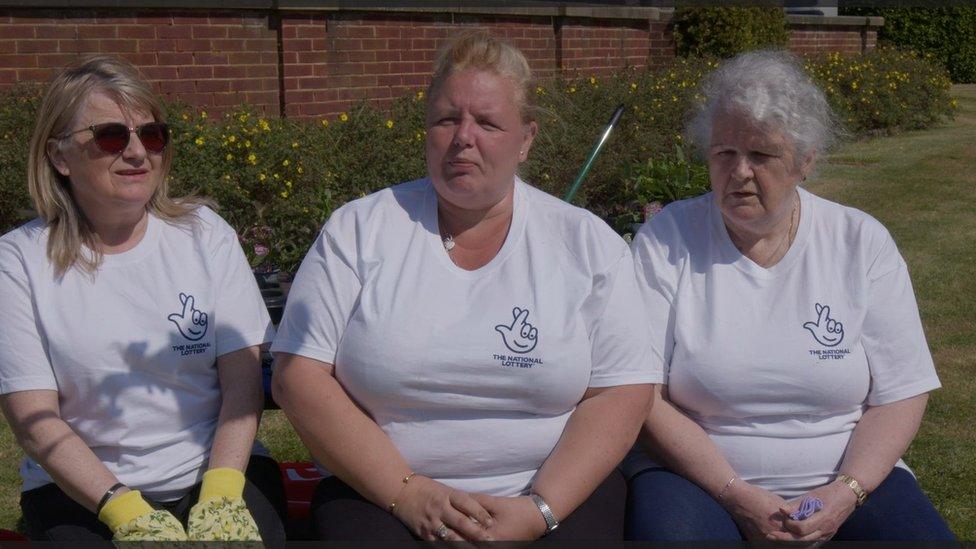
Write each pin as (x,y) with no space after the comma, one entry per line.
(855,487)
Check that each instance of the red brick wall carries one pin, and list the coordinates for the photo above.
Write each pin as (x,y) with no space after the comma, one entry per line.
(207,59)
(346,56)
(602,45)
(328,60)
(817,38)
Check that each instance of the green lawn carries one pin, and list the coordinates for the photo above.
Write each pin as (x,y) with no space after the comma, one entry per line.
(922,186)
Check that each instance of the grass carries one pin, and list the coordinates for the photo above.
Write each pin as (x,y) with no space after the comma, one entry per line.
(922,186)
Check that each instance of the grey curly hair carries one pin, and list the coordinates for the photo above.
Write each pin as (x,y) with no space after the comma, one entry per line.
(770,87)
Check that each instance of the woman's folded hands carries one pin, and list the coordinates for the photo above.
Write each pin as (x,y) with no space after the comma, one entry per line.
(838,504)
(435,511)
(515,518)
(757,511)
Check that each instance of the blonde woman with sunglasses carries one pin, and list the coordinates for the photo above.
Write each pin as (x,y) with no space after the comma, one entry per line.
(129,363)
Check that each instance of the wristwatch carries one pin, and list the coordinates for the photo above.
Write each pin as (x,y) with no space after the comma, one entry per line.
(551,522)
(855,487)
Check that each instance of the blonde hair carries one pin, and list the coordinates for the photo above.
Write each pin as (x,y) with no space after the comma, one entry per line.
(477,50)
(69,229)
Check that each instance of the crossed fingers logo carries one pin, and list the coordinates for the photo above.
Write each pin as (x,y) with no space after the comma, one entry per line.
(827,331)
(191,322)
(519,336)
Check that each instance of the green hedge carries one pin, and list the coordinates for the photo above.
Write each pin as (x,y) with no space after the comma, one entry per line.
(947,34)
(727,31)
(277,180)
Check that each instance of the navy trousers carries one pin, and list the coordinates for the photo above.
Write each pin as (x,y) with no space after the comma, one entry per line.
(664,506)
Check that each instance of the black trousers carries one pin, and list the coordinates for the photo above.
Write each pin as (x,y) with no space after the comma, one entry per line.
(339,513)
(50,515)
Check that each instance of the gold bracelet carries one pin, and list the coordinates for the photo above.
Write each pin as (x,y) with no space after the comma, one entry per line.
(393,503)
(855,487)
(721,493)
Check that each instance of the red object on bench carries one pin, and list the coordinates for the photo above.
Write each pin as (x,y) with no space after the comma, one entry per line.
(300,479)
(10,535)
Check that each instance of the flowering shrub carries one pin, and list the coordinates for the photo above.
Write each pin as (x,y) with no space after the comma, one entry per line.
(883,91)
(277,180)
(574,113)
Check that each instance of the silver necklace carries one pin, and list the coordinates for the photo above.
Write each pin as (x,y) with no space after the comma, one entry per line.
(447,241)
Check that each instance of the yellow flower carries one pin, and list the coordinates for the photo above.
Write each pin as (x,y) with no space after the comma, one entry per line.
(420,94)
(325,123)
(264,125)
(344,117)
(203,114)
(389,124)
(285,162)
(198,141)
(229,156)
(633,85)
(232,138)
(185,117)
(247,143)
(300,170)
(572,89)
(262,177)
(252,158)
(284,194)
(592,80)
(294,144)
(539,90)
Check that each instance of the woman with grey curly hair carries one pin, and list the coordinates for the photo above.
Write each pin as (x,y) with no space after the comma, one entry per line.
(796,369)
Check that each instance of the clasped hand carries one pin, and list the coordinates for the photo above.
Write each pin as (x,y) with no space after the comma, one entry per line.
(426,504)
(762,515)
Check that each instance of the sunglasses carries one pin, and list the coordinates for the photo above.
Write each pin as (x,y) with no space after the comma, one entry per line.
(113,137)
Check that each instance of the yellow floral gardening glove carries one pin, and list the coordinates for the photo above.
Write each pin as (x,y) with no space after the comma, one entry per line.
(130,518)
(220,514)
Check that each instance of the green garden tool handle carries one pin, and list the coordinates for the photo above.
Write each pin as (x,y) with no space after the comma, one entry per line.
(596,150)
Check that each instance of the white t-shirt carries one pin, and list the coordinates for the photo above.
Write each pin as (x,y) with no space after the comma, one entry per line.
(132,350)
(777,365)
(472,374)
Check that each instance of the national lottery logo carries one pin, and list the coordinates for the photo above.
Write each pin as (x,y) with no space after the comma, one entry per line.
(190,321)
(519,336)
(827,331)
